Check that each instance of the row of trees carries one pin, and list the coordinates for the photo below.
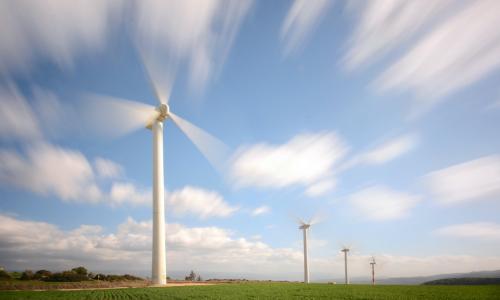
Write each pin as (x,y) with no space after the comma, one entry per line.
(73,275)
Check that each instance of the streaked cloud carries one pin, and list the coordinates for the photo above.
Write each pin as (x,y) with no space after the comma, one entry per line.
(473,180)
(430,49)
(16,117)
(55,29)
(480,230)
(321,187)
(382,26)
(300,21)
(456,53)
(306,159)
(189,33)
(261,210)
(385,152)
(199,202)
(379,203)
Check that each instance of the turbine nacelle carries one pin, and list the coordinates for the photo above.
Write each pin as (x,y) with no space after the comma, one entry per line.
(305,226)
(162,113)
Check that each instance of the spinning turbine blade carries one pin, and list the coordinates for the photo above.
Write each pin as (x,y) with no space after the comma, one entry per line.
(113,117)
(161,88)
(215,151)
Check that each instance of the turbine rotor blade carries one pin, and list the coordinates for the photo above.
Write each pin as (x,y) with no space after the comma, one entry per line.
(161,88)
(114,117)
(214,150)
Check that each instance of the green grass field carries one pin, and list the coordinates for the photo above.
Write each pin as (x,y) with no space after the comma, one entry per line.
(272,291)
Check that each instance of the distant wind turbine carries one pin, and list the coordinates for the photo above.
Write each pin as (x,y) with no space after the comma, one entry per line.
(114,116)
(346,251)
(372,263)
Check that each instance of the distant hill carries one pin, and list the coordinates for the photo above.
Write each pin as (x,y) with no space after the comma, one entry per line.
(423,279)
(463,281)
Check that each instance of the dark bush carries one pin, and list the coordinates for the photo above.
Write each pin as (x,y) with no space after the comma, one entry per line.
(4,275)
(66,276)
(42,274)
(80,271)
(27,275)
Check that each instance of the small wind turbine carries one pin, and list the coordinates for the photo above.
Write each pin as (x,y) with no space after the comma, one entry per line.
(372,263)
(122,116)
(346,251)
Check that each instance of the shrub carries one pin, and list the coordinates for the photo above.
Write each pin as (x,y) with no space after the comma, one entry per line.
(4,275)
(27,275)
(42,274)
(66,276)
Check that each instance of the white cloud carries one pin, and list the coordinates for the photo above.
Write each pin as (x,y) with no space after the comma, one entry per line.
(306,159)
(35,245)
(126,192)
(456,53)
(16,118)
(56,29)
(469,181)
(481,230)
(50,170)
(303,16)
(199,202)
(379,203)
(107,169)
(198,34)
(261,210)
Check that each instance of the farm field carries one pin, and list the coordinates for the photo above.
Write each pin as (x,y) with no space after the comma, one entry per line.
(272,291)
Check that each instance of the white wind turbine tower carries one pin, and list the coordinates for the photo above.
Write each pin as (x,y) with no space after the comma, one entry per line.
(346,251)
(119,116)
(305,229)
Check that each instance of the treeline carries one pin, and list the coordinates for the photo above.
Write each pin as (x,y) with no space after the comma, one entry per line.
(464,281)
(74,275)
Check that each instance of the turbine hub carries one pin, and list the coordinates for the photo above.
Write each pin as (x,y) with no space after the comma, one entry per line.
(164,111)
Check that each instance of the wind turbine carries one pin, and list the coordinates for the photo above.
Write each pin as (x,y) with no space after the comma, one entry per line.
(346,251)
(372,263)
(122,116)
(304,226)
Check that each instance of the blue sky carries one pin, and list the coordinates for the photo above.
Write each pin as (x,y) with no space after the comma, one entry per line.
(381,119)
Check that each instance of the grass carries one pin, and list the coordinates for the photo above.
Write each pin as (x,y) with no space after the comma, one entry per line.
(273,291)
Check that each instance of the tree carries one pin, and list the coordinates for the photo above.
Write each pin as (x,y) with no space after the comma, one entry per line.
(198,278)
(27,275)
(42,274)
(80,271)
(191,276)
